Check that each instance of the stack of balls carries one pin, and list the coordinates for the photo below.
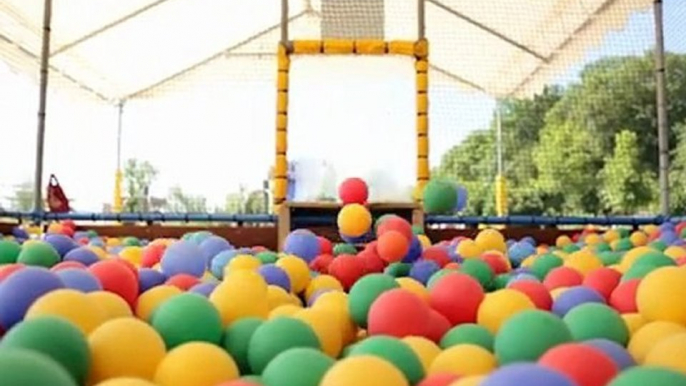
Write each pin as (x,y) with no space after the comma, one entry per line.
(596,309)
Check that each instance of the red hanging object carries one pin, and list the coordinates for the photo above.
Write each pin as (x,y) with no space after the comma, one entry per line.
(57,200)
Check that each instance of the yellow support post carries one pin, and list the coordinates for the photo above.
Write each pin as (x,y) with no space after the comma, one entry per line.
(421,53)
(500,195)
(118,203)
(280,177)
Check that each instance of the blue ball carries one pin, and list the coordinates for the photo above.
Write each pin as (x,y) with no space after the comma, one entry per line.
(520,374)
(665,226)
(530,240)
(573,297)
(81,235)
(97,242)
(275,275)
(522,276)
(79,279)
(62,244)
(82,255)
(304,244)
(19,290)
(414,252)
(422,270)
(212,245)
(20,234)
(669,236)
(357,240)
(220,261)
(204,289)
(183,257)
(149,278)
(615,351)
(520,251)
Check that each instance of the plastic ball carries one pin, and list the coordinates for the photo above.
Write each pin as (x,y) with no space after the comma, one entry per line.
(413,286)
(21,289)
(479,270)
(187,318)
(325,325)
(79,279)
(83,255)
(596,321)
(438,326)
(321,263)
(274,275)
(491,240)
(133,255)
(439,255)
(304,244)
(354,220)
(353,191)
(468,249)
(535,291)
(439,197)
(464,359)
(276,336)
(344,249)
(574,297)
(425,350)
(213,245)
(204,289)
(669,353)
(544,264)
(585,365)
(126,381)
(241,295)
(526,374)
(71,305)
(355,370)
(62,243)
(460,308)
(242,262)
(183,257)
(196,364)
(394,351)
(113,306)
(9,251)
(395,223)
(116,277)
(423,270)
(497,307)
(392,246)
(442,379)
(472,334)
(149,278)
(301,366)
(39,254)
(633,322)
(297,271)
(660,295)
(528,335)
(651,334)
(398,313)
(150,300)
(236,341)
(640,376)
(27,367)
(8,269)
(364,292)
(372,262)
(623,298)
(603,280)
(347,269)
(616,352)
(125,335)
(562,277)
(321,283)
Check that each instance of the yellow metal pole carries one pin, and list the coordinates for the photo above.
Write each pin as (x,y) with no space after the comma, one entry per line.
(500,195)
(421,52)
(281,150)
(118,201)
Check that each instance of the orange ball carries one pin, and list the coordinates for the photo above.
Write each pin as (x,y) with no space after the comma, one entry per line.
(392,246)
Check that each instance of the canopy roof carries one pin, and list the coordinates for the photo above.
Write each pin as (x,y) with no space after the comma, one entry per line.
(123,49)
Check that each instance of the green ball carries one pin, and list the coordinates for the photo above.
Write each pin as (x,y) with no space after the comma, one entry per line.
(528,335)
(638,271)
(9,251)
(267,257)
(39,254)
(624,245)
(254,379)
(91,234)
(131,241)
(297,366)
(596,321)
(645,375)
(659,245)
(57,339)
(500,281)
(364,292)
(438,275)
(544,264)
(479,270)
(571,248)
(657,259)
(344,249)
(610,258)
(276,336)
(624,232)
(23,367)
(418,229)
(439,197)
(188,317)
(236,341)
(346,351)
(394,351)
(602,247)
(468,334)
(398,269)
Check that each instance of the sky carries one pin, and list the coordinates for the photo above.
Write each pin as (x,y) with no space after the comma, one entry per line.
(212,140)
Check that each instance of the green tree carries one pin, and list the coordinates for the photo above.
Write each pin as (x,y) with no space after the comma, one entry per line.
(181,202)
(23,197)
(246,202)
(138,176)
(677,173)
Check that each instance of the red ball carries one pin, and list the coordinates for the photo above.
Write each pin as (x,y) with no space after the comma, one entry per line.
(392,246)
(562,277)
(117,278)
(438,326)
(536,292)
(583,364)
(66,265)
(321,263)
(83,241)
(441,379)
(623,298)
(353,191)
(438,255)
(7,269)
(395,223)
(604,280)
(152,254)
(496,261)
(680,227)
(325,245)
(347,269)
(681,261)
(398,313)
(69,224)
(371,246)
(457,296)
(128,265)
(183,281)
(372,262)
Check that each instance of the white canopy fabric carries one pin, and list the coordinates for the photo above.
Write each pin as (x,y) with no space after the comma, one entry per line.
(117,50)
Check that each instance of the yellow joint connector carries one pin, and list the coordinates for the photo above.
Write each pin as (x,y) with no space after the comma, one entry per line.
(281,121)
(421,49)
(282,102)
(282,81)
(418,49)
(422,103)
(422,81)
(421,65)
(422,124)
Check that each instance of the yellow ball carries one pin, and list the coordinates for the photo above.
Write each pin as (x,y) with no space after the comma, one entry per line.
(611,235)
(464,360)
(661,294)
(638,239)
(152,298)
(424,241)
(669,353)
(592,239)
(583,262)
(411,285)
(277,297)
(196,364)
(354,220)
(491,240)
(651,229)
(322,282)
(562,241)
(632,255)
(285,310)
(241,295)
(650,335)
(425,350)
(528,261)
(112,242)
(337,303)
(363,370)
(468,249)
(297,270)
(474,380)
(633,322)
(101,253)
(242,262)
(132,254)
(112,305)
(124,347)
(69,304)
(499,306)
(675,252)
(326,326)
(126,382)
(557,292)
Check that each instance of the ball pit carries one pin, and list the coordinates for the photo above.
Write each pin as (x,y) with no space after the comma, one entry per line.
(596,309)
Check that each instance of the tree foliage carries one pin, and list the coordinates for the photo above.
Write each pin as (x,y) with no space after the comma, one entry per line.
(181,202)
(138,176)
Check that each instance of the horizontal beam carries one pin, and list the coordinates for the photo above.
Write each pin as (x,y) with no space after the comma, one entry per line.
(414,48)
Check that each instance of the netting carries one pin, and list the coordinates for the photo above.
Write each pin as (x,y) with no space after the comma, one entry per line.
(573,83)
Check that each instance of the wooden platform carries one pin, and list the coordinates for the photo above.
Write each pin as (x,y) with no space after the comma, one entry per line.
(292,213)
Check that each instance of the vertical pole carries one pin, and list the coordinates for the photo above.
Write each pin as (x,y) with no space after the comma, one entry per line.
(499,137)
(500,185)
(118,200)
(422,89)
(661,98)
(284,21)
(281,149)
(421,19)
(42,103)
